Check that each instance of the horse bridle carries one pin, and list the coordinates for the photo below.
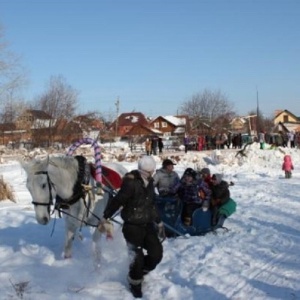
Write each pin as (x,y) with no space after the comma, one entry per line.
(50,185)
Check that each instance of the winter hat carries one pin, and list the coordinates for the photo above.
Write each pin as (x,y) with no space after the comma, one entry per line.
(147,163)
(167,162)
(205,171)
(190,172)
(217,178)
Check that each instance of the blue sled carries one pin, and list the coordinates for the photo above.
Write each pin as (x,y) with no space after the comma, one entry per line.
(170,211)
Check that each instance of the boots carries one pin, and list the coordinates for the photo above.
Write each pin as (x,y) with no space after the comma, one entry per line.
(136,290)
(135,287)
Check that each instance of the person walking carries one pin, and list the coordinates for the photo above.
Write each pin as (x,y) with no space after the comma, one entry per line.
(261,139)
(142,224)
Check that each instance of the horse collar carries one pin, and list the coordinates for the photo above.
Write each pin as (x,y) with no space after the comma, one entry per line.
(78,190)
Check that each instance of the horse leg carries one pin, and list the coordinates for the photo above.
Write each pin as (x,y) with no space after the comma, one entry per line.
(70,231)
(96,247)
(100,205)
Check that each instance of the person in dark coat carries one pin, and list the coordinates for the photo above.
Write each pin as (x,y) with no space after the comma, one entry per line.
(154,144)
(220,195)
(186,142)
(160,145)
(141,220)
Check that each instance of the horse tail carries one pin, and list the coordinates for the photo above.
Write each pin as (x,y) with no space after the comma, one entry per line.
(97,152)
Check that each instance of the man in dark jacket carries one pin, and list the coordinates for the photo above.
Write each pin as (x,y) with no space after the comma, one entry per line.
(136,197)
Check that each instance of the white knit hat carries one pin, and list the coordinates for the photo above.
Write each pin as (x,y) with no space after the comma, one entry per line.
(147,163)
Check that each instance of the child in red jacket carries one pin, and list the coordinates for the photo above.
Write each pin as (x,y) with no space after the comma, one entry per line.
(287,166)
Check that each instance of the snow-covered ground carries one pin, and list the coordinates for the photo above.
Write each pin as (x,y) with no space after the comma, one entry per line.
(257,259)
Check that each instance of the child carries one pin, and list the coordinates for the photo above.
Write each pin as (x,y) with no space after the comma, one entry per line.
(194,193)
(287,166)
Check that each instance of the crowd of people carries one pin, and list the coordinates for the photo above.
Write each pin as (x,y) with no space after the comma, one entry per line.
(143,229)
(223,140)
(194,189)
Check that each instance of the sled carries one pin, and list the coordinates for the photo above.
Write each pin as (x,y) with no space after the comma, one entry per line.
(110,177)
(170,209)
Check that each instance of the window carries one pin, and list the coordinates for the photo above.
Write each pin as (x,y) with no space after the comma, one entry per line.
(156,125)
(285,119)
(164,124)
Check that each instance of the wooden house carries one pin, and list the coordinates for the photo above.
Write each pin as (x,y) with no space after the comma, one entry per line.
(126,121)
(285,121)
(171,125)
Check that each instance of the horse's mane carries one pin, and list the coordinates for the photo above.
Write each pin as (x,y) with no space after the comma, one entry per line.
(64,162)
(61,162)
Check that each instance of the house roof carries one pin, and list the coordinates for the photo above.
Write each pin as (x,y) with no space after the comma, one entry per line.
(179,130)
(176,121)
(286,127)
(39,114)
(290,126)
(241,119)
(287,112)
(7,126)
(130,119)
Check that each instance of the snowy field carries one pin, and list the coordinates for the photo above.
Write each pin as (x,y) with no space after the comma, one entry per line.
(259,258)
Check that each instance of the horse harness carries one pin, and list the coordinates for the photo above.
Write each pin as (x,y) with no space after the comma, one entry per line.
(50,185)
(80,188)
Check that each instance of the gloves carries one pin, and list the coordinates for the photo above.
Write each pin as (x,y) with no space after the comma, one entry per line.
(106,227)
(99,190)
(161,231)
(163,192)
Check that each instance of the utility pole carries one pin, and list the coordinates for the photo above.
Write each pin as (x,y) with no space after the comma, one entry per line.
(257,114)
(117,104)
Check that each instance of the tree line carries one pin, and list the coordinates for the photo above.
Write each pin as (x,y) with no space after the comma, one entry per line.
(60,100)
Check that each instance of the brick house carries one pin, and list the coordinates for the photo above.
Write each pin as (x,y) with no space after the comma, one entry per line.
(126,121)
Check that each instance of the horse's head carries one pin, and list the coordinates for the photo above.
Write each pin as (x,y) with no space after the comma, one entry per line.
(47,178)
(40,188)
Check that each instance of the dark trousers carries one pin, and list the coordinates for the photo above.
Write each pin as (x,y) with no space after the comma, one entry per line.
(187,212)
(139,237)
(186,148)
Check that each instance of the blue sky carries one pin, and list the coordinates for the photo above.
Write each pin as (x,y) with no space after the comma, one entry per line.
(155,54)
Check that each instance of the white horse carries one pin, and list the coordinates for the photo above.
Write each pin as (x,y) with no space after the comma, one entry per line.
(60,177)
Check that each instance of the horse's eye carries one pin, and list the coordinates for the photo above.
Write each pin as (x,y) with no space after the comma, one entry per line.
(44,185)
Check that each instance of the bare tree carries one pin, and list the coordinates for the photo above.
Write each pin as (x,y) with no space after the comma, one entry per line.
(12,108)
(208,106)
(59,101)
(12,74)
